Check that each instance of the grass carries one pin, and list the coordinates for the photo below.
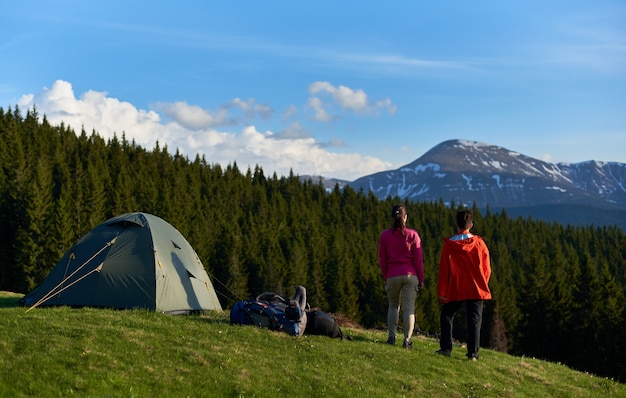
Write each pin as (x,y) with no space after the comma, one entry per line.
(58,352)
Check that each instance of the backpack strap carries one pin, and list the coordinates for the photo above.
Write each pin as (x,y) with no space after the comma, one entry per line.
(293,312)
(270,297)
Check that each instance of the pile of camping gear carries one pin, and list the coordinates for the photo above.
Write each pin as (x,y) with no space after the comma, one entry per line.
(293,316)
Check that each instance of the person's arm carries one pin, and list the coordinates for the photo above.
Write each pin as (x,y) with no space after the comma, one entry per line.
(418,261)
(382,257)
(486,263)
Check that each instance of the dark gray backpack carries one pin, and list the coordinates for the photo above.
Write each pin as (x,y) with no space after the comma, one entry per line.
(322,324)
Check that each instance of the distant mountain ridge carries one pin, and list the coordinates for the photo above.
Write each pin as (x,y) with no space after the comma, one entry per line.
(491,176)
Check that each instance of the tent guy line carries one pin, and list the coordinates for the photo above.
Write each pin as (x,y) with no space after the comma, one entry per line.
(98,269)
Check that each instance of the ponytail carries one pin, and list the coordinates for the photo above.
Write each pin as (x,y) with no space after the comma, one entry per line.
(398,212)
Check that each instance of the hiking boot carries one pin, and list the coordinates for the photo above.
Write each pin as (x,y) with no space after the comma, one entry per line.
(408,345)
(445,353)
(391,340)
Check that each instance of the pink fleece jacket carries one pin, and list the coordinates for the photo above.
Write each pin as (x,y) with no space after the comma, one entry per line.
(401,255)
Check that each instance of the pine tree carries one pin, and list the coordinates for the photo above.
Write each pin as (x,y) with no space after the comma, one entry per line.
(36,254)
(536,295)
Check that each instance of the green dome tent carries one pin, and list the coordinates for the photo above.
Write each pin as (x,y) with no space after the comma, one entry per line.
(135,260)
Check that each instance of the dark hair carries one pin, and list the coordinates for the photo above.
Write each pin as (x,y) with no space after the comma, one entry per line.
(397,215)
(464,219)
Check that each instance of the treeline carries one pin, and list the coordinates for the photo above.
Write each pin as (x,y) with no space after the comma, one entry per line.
(559,291)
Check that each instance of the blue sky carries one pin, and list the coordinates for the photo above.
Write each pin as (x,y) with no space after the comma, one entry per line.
(340,89)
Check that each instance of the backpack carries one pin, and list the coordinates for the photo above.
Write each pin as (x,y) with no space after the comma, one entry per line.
(270,311)
(322,324)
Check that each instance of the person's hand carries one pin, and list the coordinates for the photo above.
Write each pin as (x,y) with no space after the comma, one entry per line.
(443,300)
(420,285)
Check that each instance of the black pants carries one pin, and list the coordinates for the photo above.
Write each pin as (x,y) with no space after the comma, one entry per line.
(474,310)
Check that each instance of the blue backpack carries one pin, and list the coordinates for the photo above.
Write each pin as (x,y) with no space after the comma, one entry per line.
(270,311)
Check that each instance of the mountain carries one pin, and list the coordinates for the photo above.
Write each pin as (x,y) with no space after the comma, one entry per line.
(471,172)
(328,183)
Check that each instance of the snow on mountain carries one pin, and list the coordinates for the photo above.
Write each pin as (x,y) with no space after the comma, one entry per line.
(473,172)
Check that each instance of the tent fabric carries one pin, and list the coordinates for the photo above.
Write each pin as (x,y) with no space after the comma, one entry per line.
(136,260)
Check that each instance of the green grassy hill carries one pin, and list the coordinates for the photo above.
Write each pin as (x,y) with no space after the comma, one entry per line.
(52,352)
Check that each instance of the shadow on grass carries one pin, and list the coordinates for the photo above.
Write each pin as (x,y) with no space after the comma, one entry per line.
(359,338)
(211,317)
(6,302)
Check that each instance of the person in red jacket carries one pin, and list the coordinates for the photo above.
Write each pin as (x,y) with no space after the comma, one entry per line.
(464,272)
(401,263)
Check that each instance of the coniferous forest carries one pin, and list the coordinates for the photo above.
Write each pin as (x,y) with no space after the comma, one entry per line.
(559,291)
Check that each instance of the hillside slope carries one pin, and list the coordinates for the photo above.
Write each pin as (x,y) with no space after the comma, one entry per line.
(96,352)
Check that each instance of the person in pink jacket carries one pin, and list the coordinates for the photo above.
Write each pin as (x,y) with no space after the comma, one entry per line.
(464,272)
(401,263)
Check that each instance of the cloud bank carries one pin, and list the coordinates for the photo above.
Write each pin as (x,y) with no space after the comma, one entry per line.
(193,130)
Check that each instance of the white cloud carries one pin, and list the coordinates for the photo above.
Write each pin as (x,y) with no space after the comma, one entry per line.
(251,108)
(191,130)
(193,117)
(321,114)
(546,157)
(196,118)
(294,130)
(94,110)
(346,98)
(290,113)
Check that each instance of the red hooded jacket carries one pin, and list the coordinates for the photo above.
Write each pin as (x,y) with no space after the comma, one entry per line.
(464,269)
